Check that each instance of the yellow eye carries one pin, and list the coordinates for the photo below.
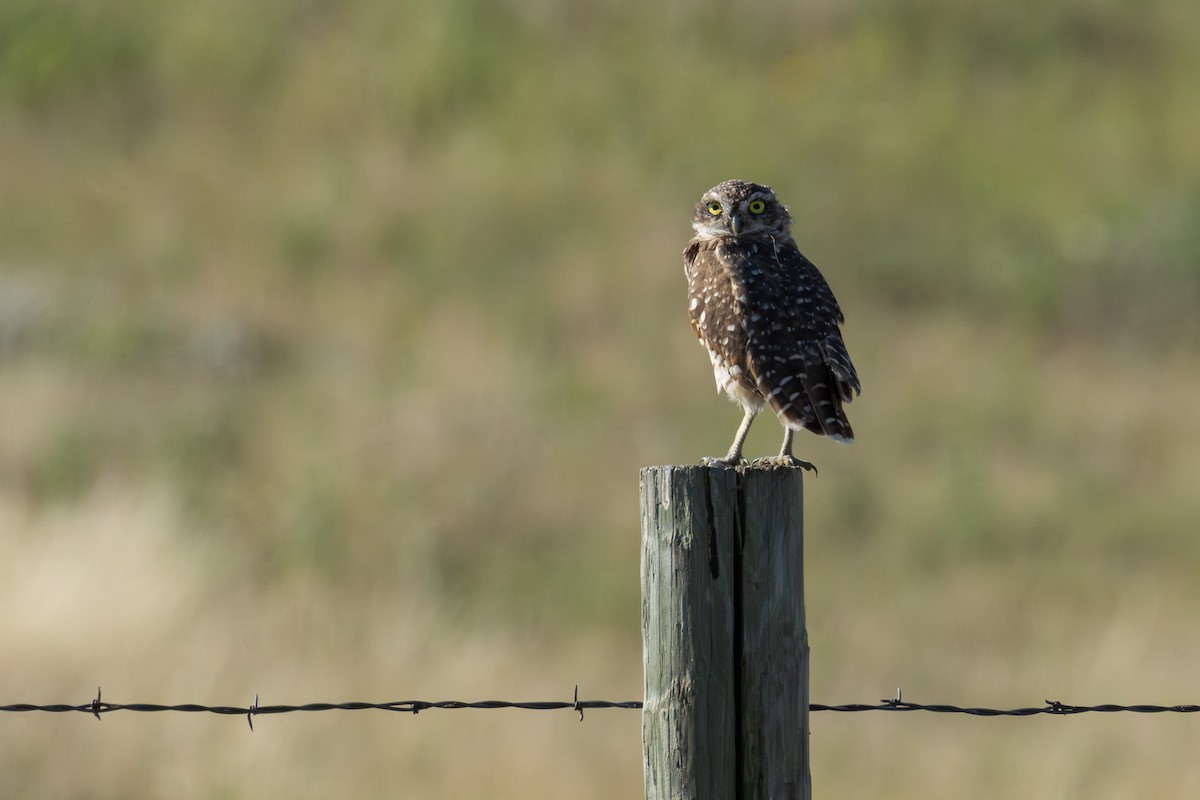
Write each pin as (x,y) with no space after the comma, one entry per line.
(757,206)
(714,208)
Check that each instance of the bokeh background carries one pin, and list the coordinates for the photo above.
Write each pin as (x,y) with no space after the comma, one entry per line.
(333,335)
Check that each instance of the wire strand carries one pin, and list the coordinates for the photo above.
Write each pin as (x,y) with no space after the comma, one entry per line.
(98,707)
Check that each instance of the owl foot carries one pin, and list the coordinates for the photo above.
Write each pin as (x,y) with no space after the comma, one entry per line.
(783,462)
(726,462)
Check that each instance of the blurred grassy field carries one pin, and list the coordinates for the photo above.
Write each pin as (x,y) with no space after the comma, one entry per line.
(332,336)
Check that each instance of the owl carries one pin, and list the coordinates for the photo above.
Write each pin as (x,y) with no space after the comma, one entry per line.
(767,318)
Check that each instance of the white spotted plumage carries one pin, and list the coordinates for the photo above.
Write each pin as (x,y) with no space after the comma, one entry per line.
(768,319)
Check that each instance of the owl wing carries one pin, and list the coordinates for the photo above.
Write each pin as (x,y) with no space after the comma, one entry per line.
(796,353)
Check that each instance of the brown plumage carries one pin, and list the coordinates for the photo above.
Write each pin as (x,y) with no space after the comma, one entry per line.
(767,317)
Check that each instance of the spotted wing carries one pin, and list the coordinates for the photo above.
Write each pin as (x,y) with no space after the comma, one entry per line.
(795,349)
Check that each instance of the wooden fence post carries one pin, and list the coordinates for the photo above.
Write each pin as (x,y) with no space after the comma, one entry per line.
(725,647)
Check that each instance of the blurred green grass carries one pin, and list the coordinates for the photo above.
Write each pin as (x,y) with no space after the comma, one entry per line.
(332,337)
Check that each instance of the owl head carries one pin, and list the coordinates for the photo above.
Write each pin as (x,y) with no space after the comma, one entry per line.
(737,208)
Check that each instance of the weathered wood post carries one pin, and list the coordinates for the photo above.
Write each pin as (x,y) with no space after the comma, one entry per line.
(725,647)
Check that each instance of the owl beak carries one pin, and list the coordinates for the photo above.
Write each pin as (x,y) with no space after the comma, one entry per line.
(735,224)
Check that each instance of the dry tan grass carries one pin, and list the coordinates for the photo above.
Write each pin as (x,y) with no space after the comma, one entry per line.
(332,339)
(120,588)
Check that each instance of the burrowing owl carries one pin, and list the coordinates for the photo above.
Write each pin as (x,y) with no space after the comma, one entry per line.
(768,319)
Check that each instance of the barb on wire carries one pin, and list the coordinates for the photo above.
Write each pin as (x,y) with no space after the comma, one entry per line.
(98,707)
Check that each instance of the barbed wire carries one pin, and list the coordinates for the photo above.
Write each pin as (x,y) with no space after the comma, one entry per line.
(98,707)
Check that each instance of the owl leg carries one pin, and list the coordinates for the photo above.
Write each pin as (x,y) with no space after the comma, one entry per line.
(734,456)
(785,457)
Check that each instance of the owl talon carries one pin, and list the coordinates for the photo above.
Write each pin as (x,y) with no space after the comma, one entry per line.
(783,462)
(727,462)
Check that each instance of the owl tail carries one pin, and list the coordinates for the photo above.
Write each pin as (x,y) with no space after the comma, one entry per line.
(824,415)
(816,405)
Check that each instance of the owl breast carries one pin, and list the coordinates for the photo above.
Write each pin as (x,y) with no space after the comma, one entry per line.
(716,313)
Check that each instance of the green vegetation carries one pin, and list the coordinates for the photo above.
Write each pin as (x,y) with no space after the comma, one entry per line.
(332,336)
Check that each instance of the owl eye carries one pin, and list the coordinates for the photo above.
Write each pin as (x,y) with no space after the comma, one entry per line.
(714,208)
(757,206)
